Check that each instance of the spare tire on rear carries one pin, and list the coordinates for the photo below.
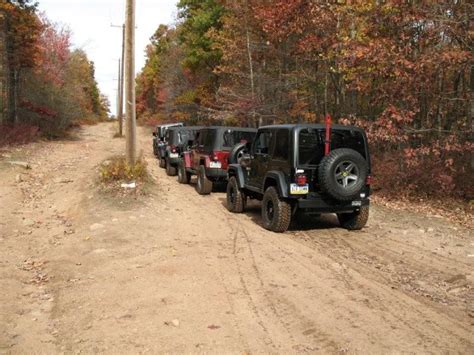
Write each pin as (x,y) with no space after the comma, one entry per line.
(237,152)
(343,174)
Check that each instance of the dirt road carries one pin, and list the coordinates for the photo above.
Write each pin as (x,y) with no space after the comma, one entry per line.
(84,272)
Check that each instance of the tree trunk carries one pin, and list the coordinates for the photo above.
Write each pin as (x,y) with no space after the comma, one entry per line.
(12,96)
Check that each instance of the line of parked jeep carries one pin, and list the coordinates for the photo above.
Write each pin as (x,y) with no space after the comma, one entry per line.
(294,169)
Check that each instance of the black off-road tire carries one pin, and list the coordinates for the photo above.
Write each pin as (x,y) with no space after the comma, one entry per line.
(162,163)
(280,218)
(355,220)
(327,174)
(236,199)
(183,176)
(170,170)
(204,185)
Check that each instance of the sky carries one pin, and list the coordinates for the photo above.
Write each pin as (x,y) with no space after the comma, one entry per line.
(90,22)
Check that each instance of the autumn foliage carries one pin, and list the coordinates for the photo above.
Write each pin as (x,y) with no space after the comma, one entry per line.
(403,70)
(50,85)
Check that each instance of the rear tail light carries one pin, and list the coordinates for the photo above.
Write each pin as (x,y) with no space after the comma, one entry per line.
(219,156)
(173,149)
(301,180)
(368,181)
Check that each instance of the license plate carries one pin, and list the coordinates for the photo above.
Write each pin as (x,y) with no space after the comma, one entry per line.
(174,155)
(356,203)
(215,164)
(299,190)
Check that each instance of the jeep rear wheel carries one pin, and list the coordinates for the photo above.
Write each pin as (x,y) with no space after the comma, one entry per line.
(236,199)
(342,174)
(276,212)
(162,163)
(204,185)
(355,220)
(183,176)
(170,170)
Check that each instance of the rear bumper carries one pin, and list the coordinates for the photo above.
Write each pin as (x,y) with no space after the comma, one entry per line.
(173,161)
(318,204)
(216,174)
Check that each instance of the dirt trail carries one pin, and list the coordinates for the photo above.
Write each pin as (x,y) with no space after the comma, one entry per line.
(83,272)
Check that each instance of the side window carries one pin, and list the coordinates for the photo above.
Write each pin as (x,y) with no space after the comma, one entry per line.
(195,138)
(282,145)
(208,139)
(262,142)
(202,136)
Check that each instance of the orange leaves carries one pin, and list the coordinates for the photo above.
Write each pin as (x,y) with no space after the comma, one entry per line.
(23,31)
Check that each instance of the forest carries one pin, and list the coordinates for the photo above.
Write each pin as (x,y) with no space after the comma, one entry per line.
(46,85)
(403,70)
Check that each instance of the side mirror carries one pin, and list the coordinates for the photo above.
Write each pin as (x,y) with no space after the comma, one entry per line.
(154,134)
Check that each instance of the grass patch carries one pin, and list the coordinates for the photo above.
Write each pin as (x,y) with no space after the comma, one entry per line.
(114,173)
(116,169)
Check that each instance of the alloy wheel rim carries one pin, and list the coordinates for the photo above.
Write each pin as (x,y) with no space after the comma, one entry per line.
(346,174)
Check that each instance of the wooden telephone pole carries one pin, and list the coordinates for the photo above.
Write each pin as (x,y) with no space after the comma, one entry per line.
(121,82)
(131,142)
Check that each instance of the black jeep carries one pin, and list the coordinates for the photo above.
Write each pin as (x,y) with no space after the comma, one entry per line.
(298,169)
(159,141)
(178,140)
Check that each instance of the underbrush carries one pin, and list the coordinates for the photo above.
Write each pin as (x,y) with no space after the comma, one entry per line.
(118,179)
(426,177)
(18,134)
(116,169)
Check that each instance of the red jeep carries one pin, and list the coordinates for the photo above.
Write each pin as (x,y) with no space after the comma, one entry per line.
(209,157)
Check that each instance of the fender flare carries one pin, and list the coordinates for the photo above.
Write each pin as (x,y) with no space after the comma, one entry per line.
(237,171)
(280,180)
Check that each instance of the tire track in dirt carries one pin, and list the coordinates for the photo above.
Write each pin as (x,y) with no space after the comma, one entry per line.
(334,244)
(377,292)
(392,264)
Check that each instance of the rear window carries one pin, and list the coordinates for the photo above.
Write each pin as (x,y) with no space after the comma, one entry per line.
(207,138)
(173,137)
(311,144)
(232,138)
(185,136)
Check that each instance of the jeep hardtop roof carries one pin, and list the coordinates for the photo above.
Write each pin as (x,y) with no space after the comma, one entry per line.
(310,151)
(242,129)
(177,124)
(312,125)
(174,133)
(185,128)
(161,129)
(216,140)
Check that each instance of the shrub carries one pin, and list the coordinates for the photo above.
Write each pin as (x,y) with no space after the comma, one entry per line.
(117,169)
(19,134)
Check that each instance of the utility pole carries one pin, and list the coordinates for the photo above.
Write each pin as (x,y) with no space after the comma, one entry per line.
(121,82)
(122,72)
(131,143)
